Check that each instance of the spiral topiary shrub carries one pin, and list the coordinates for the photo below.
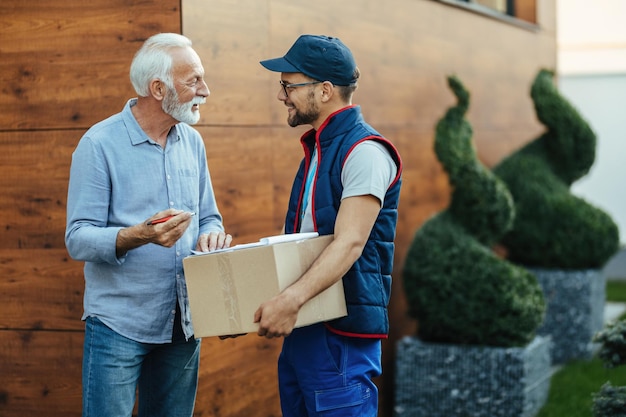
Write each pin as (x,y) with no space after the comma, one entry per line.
(457,288)
(552,227)
(559,237)
(476,353)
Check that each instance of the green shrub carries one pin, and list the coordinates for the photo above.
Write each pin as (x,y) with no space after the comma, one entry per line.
(457,288)
(610,401)
(612,341)
(552,227)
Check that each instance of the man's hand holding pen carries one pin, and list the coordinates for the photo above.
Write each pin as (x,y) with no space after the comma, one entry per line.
(154,230)
(174,223)
(166,218)
(166,227)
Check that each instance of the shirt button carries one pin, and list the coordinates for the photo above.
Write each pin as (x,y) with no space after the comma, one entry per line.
(173,311)
(172,203)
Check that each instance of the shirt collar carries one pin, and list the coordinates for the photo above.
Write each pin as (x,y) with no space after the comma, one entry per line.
(136,133)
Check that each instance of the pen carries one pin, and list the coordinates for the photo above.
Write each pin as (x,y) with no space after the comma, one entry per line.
(164,219)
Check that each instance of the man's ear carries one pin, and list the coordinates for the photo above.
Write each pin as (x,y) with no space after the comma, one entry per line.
(327,91)
(157,89)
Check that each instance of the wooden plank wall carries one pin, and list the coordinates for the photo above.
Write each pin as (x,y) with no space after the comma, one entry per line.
(63,67)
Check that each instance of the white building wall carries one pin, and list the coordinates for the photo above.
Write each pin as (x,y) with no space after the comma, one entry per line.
(591,39)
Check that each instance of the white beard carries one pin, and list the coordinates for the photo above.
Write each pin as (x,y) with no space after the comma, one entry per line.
(182,112)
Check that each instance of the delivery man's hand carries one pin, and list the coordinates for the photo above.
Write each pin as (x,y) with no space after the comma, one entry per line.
(277,316)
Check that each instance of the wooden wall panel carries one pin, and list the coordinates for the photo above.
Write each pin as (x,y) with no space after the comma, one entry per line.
(241,170)
(239,377)
(35,167)
(252,169)
(42,289)
(64,67)
(410,49)
(62,59)
(230,36)
(40,373)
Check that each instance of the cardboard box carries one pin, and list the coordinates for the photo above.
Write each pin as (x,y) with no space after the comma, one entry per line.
(226,288)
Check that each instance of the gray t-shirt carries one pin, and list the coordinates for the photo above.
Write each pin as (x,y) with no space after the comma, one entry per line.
(369,170)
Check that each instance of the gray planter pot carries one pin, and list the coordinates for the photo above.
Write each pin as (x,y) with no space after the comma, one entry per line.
(439,380)
(574,310)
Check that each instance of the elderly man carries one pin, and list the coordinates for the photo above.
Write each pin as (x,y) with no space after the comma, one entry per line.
(140,199)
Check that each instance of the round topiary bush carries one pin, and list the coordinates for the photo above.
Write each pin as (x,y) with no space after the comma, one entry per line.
(552,227)
(457,288)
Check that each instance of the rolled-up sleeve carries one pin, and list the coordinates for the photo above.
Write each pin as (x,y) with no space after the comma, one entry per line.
(86,236)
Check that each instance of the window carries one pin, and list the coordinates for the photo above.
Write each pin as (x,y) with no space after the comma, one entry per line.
(520,12)
(502,6)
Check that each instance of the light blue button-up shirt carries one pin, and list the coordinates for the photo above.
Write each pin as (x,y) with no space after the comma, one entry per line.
(119,177)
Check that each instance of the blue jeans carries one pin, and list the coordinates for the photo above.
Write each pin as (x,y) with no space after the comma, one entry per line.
(114,366)
(321,373)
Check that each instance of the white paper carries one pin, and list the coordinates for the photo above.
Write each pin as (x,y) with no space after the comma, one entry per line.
(270,240)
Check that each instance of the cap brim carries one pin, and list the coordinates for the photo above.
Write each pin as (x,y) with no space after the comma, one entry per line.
(279,65)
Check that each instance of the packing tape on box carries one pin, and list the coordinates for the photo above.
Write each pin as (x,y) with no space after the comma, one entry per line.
(231,301)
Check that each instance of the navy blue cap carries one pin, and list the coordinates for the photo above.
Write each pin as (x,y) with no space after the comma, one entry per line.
(322,58)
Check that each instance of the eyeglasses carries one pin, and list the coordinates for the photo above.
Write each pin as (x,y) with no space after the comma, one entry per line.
(286,86)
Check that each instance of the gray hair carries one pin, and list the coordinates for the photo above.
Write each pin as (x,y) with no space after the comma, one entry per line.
(153,61)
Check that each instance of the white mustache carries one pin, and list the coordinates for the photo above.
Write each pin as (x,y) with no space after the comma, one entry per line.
(198,100)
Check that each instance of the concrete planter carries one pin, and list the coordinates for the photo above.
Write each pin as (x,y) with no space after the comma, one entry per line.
(439,380)
(574,310)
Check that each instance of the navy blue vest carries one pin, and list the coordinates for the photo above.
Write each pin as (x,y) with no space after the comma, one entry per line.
(367,284)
